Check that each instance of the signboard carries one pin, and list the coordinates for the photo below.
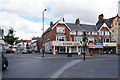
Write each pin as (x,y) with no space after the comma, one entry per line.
(99,43)
(109,44)
(66,43)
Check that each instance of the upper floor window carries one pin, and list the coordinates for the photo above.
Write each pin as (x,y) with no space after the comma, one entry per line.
(94,33)
(78,38)
(80,33)
(113,30)
(60,38)
(90,39)
(107,33)
(60,29)
(116,30)
(101,33)
(73,32)
(87,32)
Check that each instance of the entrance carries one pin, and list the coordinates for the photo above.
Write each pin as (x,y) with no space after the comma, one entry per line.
(60,49)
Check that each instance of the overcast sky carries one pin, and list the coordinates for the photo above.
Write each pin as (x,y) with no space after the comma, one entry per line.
(25,16)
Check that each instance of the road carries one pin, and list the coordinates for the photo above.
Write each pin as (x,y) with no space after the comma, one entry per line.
(60,66)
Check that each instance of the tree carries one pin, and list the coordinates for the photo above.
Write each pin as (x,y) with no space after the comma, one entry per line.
(10,38)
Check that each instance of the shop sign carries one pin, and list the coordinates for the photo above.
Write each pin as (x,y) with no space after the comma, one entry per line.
(66,43)
(99,43)
(109,44)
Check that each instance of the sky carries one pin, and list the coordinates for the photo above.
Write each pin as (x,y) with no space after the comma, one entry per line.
(25,16)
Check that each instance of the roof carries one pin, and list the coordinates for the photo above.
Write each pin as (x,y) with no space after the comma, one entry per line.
(108,22)
(81,27)
(51,27)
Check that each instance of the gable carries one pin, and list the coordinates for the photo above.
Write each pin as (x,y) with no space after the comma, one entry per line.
(104,27)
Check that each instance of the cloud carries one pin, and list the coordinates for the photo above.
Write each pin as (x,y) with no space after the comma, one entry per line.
(86,10)
(24,28)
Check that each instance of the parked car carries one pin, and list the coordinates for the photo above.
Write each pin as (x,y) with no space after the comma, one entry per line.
(26,51)
(3,60)
(9,51)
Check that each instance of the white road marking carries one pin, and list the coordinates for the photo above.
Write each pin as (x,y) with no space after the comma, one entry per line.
(59,72)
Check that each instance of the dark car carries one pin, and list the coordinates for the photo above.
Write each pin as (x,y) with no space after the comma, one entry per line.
(3,60)
(9,51)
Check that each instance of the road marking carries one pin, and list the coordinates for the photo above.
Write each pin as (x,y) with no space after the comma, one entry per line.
(68,65)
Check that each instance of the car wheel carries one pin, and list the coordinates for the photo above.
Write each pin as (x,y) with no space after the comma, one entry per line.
(5,65)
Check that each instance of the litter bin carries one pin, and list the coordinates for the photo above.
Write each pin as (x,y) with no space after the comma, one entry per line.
(69,55)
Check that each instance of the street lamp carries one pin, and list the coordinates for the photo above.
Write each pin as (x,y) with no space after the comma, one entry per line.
(43,33)
(85,40)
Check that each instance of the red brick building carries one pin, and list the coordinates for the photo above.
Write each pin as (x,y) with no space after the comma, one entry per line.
(68,37)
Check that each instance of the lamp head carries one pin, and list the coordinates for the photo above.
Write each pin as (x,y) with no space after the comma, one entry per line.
(45,9)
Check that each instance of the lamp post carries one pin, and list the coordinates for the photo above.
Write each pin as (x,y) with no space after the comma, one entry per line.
(84,44)
(43,33)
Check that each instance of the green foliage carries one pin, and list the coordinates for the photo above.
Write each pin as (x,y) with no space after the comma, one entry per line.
(10,39)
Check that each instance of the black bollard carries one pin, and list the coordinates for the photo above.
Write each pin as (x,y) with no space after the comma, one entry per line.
(83,55)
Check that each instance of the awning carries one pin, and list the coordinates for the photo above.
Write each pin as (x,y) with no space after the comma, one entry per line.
(95,47)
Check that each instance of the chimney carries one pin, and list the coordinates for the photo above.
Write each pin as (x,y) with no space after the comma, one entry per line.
(101,17)
(77,21)
(51,24)
(63,20)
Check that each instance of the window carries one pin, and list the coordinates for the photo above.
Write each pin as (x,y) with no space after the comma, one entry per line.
(116,30)
(78,38)
(60,38)
(106,40)
(80,33)
(73,32)
(113,30)
(87,32)
(60,29)
(107,33)
(90,39)
(101,33)
(94,33)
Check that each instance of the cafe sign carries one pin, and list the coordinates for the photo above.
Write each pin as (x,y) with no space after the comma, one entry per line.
(66,43)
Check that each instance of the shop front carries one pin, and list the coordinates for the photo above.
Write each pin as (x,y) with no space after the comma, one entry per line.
(64,46)
(95,48)
(109,48)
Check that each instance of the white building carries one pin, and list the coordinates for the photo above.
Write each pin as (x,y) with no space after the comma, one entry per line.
(119,8)
(1,38)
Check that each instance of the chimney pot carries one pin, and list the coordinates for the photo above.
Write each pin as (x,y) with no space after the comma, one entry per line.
(77,21)
(51,24)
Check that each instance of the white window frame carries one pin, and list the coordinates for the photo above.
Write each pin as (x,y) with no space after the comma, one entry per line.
(60,30)
(73,32)
(107,33)
(101,32)
(78,38)
(60,37)
(91,39)
(80,33)
(94,33)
